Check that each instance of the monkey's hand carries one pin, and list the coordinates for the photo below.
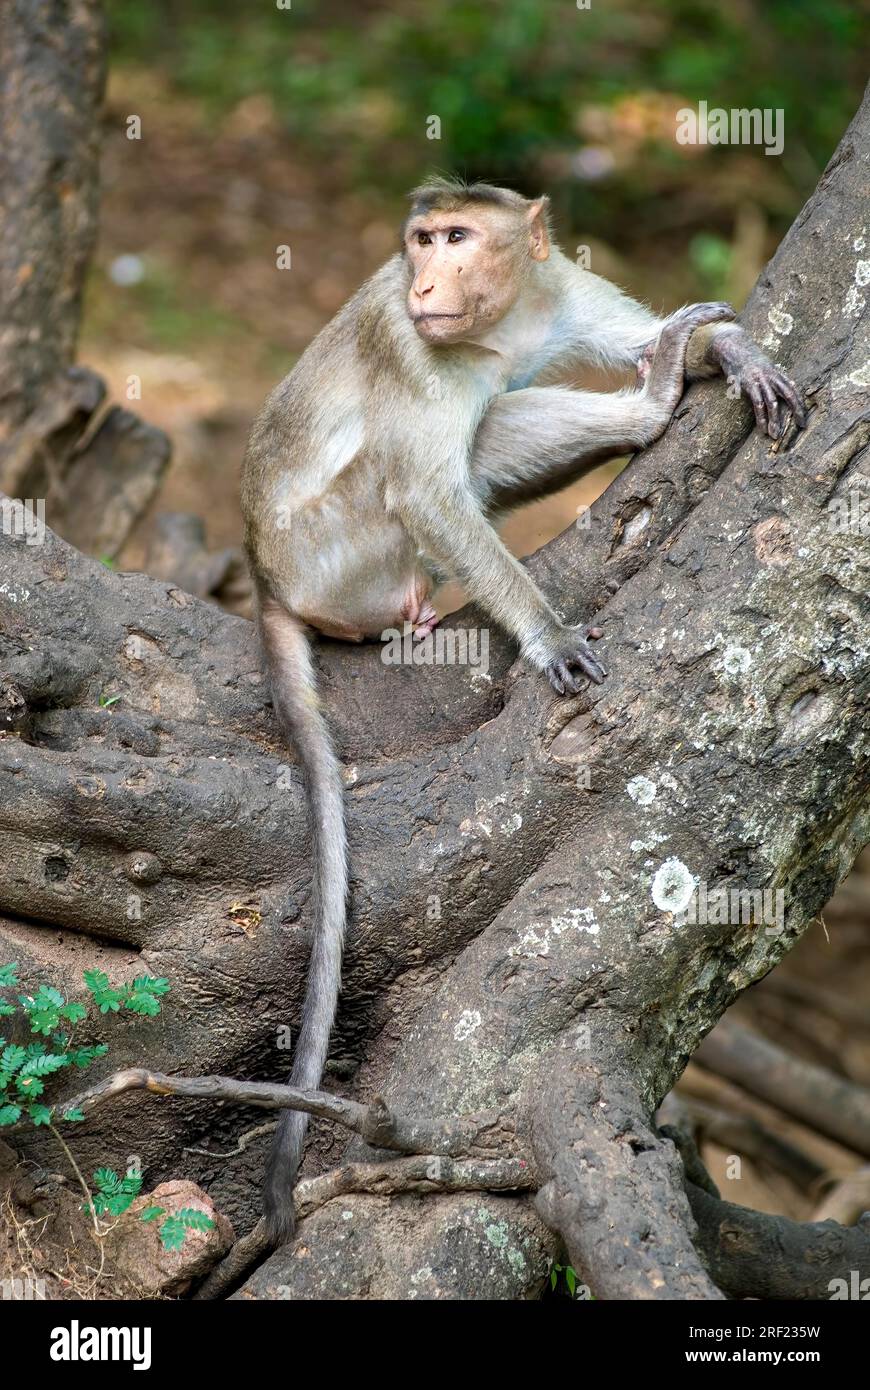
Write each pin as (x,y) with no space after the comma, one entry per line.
(771,392)
(573,660)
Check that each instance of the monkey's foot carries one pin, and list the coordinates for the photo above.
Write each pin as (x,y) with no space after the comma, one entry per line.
(576,662)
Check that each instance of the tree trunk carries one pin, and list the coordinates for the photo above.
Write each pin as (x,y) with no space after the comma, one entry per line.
(95,472)
(519,862)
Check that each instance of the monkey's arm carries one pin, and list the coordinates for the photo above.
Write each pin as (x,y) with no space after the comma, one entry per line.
(599,324)
(446,520)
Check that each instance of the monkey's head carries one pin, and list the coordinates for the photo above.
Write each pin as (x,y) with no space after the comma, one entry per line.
(469,248)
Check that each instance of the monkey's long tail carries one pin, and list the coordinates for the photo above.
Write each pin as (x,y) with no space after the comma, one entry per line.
(294,695)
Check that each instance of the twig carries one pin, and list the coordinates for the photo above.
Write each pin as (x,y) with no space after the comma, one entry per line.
(484,1132)
(243,1141)
(843,1011)
(747,1135)
(752,1254)
(837,1107)
(847,1199)
(420,1173)
(89,1203)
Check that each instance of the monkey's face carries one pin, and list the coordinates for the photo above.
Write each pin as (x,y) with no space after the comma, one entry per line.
(468,266)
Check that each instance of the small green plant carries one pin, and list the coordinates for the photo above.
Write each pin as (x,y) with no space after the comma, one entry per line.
(569,1276)
(563,1278)
(113,1195)
(175,1227)
(26,1070)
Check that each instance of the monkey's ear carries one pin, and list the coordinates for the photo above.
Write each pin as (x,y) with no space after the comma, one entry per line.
(539,237)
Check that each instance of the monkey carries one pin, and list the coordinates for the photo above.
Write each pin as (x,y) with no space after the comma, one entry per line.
(422,413)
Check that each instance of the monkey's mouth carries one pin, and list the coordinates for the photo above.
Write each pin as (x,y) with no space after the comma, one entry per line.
(427,318)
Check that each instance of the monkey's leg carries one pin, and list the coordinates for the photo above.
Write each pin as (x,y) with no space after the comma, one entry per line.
(534,442)
(531,443)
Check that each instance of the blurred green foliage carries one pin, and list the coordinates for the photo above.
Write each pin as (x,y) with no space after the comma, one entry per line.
(710,257)
(508,79)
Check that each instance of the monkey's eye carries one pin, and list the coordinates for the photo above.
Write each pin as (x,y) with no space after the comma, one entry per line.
(456,235)
(424,239)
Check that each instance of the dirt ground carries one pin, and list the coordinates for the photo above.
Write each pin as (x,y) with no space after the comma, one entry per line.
(47,1250)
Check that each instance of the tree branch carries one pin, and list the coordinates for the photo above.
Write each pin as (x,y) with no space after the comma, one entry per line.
(465,1135)
(751,1254)
(615,1191)
(94,472)
(836,1106)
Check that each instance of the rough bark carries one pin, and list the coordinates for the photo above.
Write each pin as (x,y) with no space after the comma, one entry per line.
(508,949)
(95,473)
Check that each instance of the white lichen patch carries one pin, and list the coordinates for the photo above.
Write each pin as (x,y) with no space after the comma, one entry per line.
(14,593)
(641,790)
(469,1022)
(862,273)
(780,321)
(497,1234)
(860,376)
(673,886)
(653,839)
(859,243)
(532,943)
(576,919)
(486,819)
(537,939)
(853,304)
(735,660)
